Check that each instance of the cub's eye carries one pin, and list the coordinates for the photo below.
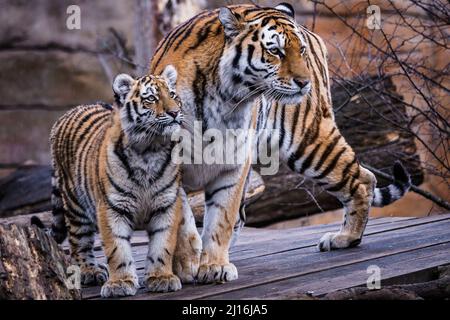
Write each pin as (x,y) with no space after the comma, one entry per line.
(172,95)
(151,98)
(302,50)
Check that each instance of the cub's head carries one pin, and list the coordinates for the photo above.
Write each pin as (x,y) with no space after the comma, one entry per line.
(265,52)
(148,105)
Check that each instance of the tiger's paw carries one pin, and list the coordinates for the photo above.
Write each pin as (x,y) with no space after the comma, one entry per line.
(162,283)
(331,241)
(94,275)
(186,269)
(120,288)
(186,260)
(212,273)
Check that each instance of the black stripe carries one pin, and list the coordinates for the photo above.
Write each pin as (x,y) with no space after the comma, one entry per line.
(163,168)
(166,186)
(329,149)
(118,188)
(155,231)
(162,210)
(209,195)
(123,212)
(345,177)
(385,195)
(202,34)
(250,52)
(332,164)
(282,129)
(118,151)
(307,163)
(309,137)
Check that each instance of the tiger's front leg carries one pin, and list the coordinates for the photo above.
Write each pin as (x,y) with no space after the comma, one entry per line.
(116,229)
(162,233)
(222,198)
(186,259)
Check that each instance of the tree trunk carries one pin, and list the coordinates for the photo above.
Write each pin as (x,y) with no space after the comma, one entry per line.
(32,266)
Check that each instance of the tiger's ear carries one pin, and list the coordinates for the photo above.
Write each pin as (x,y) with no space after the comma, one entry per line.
(170,75)
(231,22)
(122,85)
(287,9)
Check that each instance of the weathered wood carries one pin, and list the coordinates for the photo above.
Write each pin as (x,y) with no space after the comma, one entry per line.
(299,262)
(399,266)
(32,266)
(287,259)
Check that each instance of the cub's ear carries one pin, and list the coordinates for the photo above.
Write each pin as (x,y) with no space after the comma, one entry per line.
(231,21)
(122,85)
(170,75)
(287,9)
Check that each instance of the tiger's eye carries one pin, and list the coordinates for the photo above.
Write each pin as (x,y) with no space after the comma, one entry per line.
(172,95)
(302,50)
(275,51)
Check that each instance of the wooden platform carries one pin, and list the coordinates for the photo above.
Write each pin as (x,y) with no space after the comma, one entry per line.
(274,264)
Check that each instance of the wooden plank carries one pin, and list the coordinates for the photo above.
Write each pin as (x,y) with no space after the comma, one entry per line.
(276,242)
(296,262)
(255,235)
(319,283)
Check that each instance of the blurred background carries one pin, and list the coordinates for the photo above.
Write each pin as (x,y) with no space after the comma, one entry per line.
(389,63)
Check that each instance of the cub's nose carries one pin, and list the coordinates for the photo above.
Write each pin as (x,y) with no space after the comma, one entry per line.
(301,82)
(173,113)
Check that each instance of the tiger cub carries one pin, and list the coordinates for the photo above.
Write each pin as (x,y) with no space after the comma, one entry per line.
(113,165)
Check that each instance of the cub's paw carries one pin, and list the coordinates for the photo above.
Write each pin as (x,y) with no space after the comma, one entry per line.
(211,273)
(119,288)
(162,283)
(94,275)
(330,241)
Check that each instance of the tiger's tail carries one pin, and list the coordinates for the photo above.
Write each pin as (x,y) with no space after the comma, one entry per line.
(394,191)
(58,229)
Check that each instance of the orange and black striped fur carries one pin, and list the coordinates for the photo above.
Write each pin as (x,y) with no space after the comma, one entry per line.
(245,66)
(113,168)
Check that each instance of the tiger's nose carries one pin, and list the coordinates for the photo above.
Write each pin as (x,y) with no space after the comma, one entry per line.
(173,113)
(301,82)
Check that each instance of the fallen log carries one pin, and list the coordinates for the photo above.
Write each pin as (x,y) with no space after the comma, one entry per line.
(32,266)
(370,116)
(435,289)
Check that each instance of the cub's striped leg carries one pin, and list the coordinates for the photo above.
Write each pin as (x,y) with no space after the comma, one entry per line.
(116,229)
(331,162)
(189,245)
(162,232)
(223,198)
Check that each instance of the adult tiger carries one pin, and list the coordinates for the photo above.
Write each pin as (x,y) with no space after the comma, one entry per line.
(244,66)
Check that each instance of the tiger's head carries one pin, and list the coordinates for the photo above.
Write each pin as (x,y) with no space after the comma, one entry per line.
(265,53)
(149,106)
